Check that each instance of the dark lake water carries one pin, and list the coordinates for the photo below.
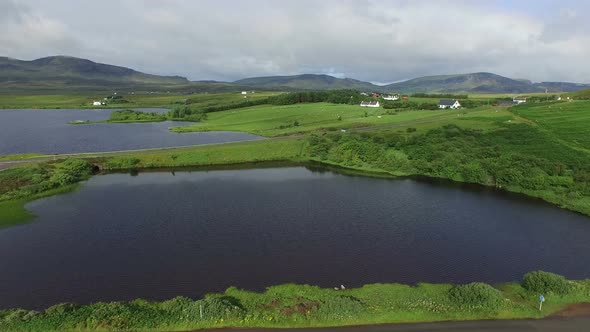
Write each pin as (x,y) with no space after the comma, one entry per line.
(48,131)
(160,235)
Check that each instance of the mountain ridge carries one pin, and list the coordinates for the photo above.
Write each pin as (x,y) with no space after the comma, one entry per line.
(58,73)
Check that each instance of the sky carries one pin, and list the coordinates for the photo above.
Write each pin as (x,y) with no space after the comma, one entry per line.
(371,40)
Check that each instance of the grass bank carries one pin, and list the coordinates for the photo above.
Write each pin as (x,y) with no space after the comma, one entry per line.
(22,184)
(309,306)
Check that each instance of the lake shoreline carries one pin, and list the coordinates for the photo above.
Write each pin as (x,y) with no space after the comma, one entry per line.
(302,306)
(250,161)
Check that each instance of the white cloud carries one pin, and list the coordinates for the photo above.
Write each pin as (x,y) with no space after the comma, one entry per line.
(369,40)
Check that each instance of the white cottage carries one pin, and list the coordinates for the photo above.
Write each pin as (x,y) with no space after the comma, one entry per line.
(519,100)
(449,103)
(370,104)
(392,98)
(96,103)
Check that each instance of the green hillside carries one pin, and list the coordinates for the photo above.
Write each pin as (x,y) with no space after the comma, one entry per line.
(63,68)
(63,74)
(582,94)
(474,83)
(308,82)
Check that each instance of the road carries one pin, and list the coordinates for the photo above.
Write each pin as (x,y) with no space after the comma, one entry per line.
(577,324)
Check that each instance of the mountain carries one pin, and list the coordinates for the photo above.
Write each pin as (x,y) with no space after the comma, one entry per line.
(307,82)
(474,83)
(58,74)
(62,72)
(561,86)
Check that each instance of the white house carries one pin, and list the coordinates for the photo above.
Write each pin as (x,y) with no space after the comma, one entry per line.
(393,98)
(370,104)
(449,103)
(244,92)
(364,94)
(519,100)
(96,103)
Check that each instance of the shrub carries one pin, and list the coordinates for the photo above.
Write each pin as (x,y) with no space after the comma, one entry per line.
(224,307)
(546,282)
(475,295)
(339,307)
(70,171)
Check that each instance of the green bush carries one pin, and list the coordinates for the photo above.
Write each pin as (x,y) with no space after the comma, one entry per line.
(475,295)
(546,282)
(339,307)
(224,307)
(70,171)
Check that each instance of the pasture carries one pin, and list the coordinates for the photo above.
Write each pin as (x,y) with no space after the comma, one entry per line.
(271,120)
(565,121)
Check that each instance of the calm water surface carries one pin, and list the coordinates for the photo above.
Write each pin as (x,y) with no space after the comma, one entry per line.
(48,131)
(160,235)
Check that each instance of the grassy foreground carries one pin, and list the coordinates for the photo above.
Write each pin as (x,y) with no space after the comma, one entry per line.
(304,306)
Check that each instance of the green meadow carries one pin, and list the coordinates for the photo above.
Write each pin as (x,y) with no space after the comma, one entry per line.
(566,121)
(273,120)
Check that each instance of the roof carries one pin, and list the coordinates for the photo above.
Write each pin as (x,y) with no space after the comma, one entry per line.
(447,102)
(369,103)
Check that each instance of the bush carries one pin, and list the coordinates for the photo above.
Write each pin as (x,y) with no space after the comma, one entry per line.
(224,307)
(546,282)
(70,171)
(339,307)
(475,295)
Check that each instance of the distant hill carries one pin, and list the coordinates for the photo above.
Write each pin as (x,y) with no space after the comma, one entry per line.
(561,86)
(58,74)
(307,82)
(462,83)
(582,94)
(474,83)
(65,70)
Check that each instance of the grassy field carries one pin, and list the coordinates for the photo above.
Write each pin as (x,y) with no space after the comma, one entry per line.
(131,100)
(271,120)
(304,306)
(566,121)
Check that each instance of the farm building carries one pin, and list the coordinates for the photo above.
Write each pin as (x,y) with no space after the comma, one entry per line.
(519,100)
(96,103)
(370,104)
(393,98)
(505,103)
(244,92)
(449,103)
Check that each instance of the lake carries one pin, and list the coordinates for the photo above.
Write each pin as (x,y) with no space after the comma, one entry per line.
(48,132)
(163,234)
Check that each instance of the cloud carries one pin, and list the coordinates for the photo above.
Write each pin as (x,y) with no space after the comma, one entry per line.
(25,32)
(374,40)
